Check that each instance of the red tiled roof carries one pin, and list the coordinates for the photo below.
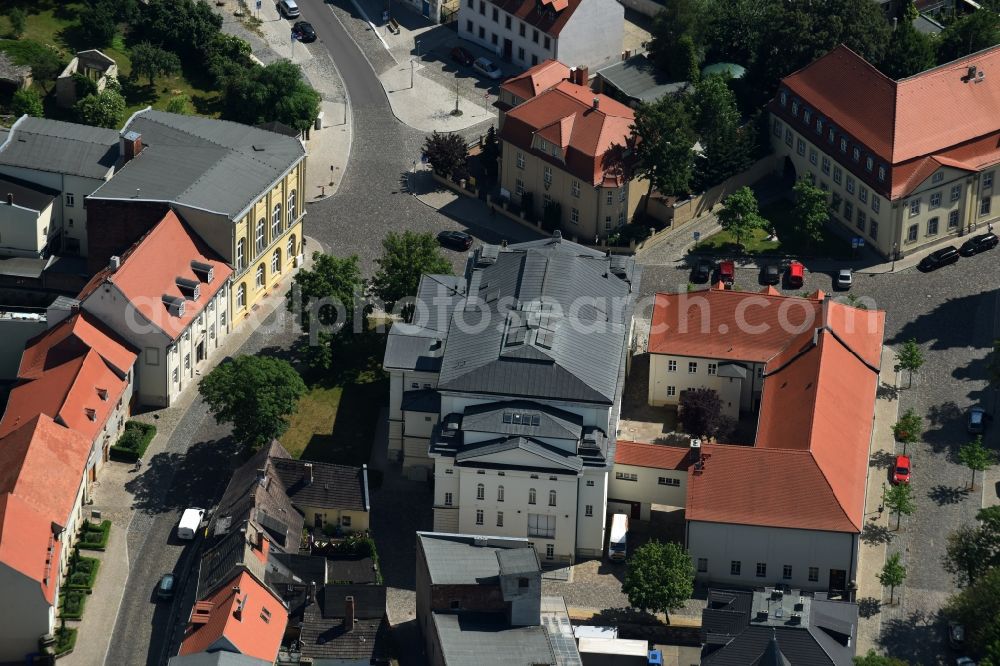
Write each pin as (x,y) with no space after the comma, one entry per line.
(27,544)
(656,456)
(69,339)
(150,270)
(533,81)
(42,463)
(238,620)
(565,115)
(550,17)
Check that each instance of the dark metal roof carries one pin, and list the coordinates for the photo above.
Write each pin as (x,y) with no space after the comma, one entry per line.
(637,78)
(509,418)
(454,559)
(422,400)
(476,638)
(350,569)
(552,456)
(225,559)
(220,658)
(517,561)
(328,638)
(369,600)
(330,487)
(753,646)
(28,195)
(56,146)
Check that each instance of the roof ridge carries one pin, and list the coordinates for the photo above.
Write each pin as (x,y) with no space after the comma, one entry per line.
(826,479)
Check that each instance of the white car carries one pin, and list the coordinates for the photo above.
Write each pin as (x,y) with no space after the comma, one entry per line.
(845,278)
(487,68)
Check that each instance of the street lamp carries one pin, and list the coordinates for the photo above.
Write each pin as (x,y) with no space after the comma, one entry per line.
(418,48)
(895,247)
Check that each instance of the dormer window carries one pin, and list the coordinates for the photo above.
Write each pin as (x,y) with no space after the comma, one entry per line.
(204,272)
(795,108)
(175,306)
(102,393)
(91,414)
(190,288)
(543,145)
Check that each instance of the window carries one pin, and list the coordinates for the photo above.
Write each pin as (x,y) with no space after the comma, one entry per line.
(626,476)
(260,277)
(276,261)
(496,15)
(777,127)
(813,574)
(788,136)
(574,188)
(702,564)
(667,481)
(984,206)
(534,36)
(806,116)
(447,499)
(914,207)
(911,233)
(825,165)
(222,320)
(760,373)
(875,202)
(506,22)
(956,192)
(520,160)
(521,31)
(837,175)
(590,483)
(607,223)
(621,218)
(734,568)
(712,367)
(70,199)
(835,202)
(449,471)
(265,615)
(290,249)
(843,145)
(588,510)
(800,147)
(479,516)
(241,250)
(987,180)
(795,108)
(241,296)
(692,367)
(935,200)
(531,496)
(493,38)
(345,521)
(848,210)
(552,498)
(499,493)
(784,98)
(881,173)
(671,366)
(932,226)
(869,164)
(831,135)
(546,43)
(873,230)
(482,31)
(856,154)
(786,572)
(468,24)
(469,4)
(863,194)
(482,7)
(534,59)
(187,361)
(541,526)
(574,215)
(519,187)
(260,241)
(523,583)
(850,185)
(622,193)
(291,206)
(499,518)
(671,391)
(953,219)
(761,569)
(861,219)
(174,377)
(550,551)
(480,491)
(813,156)
(819,126)
(609,199)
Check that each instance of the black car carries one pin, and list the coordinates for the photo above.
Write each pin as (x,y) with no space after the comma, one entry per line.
(939,258)
(978,244)
(702,271)
(165,588)
(770,274)
(303,31)
(458,240)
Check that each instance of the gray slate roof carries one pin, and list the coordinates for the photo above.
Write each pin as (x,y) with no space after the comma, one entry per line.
(419,345)
(215,165)
(350,568)
(224,560)
(478,638)
(557,457)
(517,561)
(332,486)
(639,79)
(499,417)
(327,638)
(369,600)
(220,658)
(452,559)
(59,147)
(29,195)
(422,400)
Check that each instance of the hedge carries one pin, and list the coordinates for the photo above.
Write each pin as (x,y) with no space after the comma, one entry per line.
(94,537)
(65,640)
(132,444)
(82,574)
(73,604)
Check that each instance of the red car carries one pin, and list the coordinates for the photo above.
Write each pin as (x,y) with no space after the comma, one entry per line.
(727,273)
(901,471)
(461,56)
(796,274)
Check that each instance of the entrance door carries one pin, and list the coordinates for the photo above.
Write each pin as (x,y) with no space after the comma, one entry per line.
(838,580)
(199,352)
(318,520)
(426,8)
(508,50)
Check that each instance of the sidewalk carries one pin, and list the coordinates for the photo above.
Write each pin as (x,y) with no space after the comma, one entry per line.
(991,477)
(871,554)
(115,503)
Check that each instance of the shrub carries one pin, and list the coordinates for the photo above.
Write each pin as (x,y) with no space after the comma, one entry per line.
(73,603)
(133,442)
(94,536)
(628,233)
(18,22)
(83,85)
(27,101)
(65,640)
(83,573)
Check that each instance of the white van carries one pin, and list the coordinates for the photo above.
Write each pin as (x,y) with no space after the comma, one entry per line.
(190,521)
(618,541)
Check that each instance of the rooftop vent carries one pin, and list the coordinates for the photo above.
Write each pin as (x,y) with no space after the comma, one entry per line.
(115,263)
(480,541)
(695,443)
(205,272)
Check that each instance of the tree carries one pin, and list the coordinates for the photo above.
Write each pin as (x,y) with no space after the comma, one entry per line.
(254,393)
(491,151)
(727,148)
(899,500)
(973,32)
(978,608)
(973,550)
(97,23)
(179,104)
(910,358)
(811,210)
(327,294)
(105,109)
(405,258)
(254,95)
(27,101)
(445,153)
(908,428)
(677,37)
(660,577)
(18,22)
(227,55)
(739,215)
(734,32)
(976,457)
(45,62)
(188,27)
(152,61)
(892,575)
(873,658)
(700,412)
(909,52)
(664,138)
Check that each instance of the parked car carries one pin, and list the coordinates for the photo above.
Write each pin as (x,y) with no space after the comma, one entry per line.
(458,240)
(796,274)
(965,661)
(462,56)
(303,31)
(727,273)
(845,278)
(702,271)
(901,470)
(165,588)
(770,274)
(288,9)
(189,523)
(939,258)
(956,635)
(487,68)
(978,244)
(977,419)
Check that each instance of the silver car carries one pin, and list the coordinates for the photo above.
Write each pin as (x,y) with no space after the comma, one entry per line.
(487,68)
(845,278)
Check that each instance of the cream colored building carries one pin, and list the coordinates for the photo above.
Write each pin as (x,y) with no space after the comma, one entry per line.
(737,384)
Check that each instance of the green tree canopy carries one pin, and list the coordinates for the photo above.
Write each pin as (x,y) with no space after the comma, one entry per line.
(98,23)
(18,21)
(873,658)
(180,104)
(186,27)
(328,294)
(405,258)
(275,92)
(227,55)
(256,394)
(899,500)
(727,147)
(978,608)
(811,210)
(893,574)
(663,145)
(105,109)
(972,32)
(677,36)
(909,52)
(491,151)
(910,358)
(908,428)
(446,153)
(27,101)
(976,457)
(974,549)
(660,577)
(739,215)
(152,61)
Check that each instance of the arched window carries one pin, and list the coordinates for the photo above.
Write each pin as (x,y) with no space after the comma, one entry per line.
(290,252)
(276,261)
(260,241)
(552,498)
(260,276)
(291,207)
(276,221)
(241,296)
(499,493)
(241,255)
(480,491)
(531,496)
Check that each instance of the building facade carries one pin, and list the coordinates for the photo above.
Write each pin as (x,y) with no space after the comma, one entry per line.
(901,174)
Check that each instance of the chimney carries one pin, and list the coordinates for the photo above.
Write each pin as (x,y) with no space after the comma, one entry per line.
(115,263)
(131,145)
(582,75)
(349,613)
(10,198)
(309,473)
(597,102)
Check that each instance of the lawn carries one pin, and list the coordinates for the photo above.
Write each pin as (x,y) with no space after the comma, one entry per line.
(336,418)
(790,242)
